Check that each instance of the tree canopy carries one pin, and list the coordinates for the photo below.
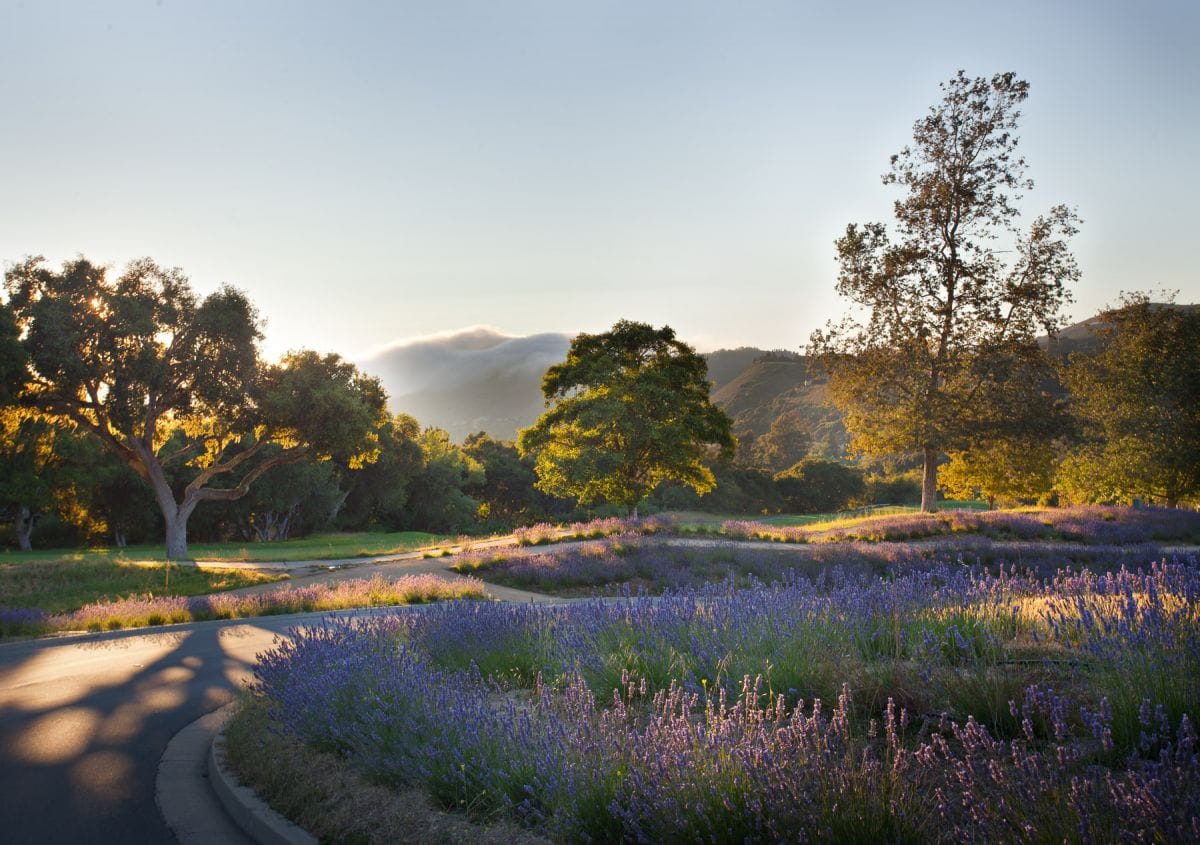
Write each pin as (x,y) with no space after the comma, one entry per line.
(948,318)
(136,359)
(627,410)
(1138,401)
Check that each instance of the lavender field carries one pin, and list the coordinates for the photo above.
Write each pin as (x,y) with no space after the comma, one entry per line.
(621,564)
(943,704)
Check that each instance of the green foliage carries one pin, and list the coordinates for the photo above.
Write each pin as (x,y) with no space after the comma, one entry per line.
(786,442)
(377,493)
(325,403)
(630,411)
(30,469)
(438,498)
(1138,400)
(12,356)
(138,359)
(948,349)
(893,488)
(507,495)
(1001,470)
(815,485)
(109,499)
(291,500)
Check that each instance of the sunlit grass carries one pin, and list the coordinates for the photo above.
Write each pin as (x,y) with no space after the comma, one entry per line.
(137,611)
(316,547)
(66,584)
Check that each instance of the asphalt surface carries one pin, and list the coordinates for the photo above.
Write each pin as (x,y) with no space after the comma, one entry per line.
(84,721)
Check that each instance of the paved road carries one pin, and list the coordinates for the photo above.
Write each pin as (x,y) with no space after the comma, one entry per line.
(84,721)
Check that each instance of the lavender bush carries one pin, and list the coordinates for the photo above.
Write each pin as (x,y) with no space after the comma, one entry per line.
(941,705)
(545,532)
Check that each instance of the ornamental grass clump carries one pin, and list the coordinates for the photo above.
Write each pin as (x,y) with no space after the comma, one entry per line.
(142,611)
(941,705)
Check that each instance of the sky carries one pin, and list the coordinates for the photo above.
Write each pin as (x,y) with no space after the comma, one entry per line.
(371,172)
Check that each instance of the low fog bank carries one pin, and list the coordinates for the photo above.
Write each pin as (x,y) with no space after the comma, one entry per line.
(475,379)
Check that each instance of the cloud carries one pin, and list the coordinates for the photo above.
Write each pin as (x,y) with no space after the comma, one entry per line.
(463,361)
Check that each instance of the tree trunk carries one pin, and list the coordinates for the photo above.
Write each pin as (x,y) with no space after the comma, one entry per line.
(285,523)
(177,538)
(120,538)
(337,505)
(23,529)
(633,512)
(929,482)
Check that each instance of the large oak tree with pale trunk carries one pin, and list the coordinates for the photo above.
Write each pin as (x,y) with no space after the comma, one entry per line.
(954,297)
(163,377)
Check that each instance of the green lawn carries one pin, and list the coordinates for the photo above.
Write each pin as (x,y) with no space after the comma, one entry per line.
(58,586)
(863,513)
(60,580)
(316,547)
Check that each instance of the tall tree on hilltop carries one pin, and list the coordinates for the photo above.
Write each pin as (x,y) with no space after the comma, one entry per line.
(630,411)
(131,360)
(947,317)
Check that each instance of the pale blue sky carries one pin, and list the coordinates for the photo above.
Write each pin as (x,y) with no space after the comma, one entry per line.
(370,172)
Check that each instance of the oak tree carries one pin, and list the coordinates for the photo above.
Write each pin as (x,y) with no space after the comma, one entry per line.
(628,410)
(948,311)
(136,358)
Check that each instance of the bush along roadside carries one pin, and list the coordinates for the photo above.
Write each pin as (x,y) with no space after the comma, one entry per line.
(138,612)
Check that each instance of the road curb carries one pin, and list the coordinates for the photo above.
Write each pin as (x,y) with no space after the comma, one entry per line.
(251,813)
(182,791)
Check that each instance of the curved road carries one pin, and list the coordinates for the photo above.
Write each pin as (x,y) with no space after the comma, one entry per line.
(84,719)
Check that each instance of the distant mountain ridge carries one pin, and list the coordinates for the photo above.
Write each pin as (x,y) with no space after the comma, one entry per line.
(480,379)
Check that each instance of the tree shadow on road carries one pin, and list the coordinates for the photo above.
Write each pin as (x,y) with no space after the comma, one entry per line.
(84,722)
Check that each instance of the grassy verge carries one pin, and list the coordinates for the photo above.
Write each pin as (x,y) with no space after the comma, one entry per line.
(316,547)
(326,796)
(1089,524)
(871,512)
(64,585)
(143,611)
